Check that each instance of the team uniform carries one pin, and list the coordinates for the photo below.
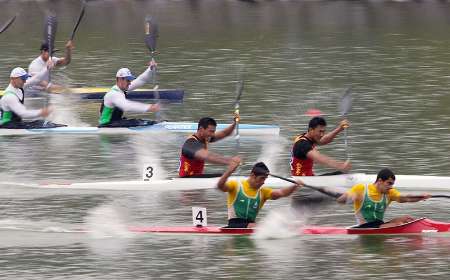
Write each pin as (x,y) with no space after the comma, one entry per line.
(244,202)
(13,108)
(115,103)
(301,165)
(370,208)
(189,165)
(37,66)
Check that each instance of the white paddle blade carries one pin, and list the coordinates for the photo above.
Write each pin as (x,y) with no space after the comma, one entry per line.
(346,102)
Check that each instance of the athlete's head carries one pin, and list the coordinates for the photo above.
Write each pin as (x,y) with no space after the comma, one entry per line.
(316,128)
(206,127)
(124,77)
(18,77)
(385,179)
(259,174)
(45,51)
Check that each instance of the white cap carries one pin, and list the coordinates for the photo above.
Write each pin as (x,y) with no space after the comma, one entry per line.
(19,72)
(125,73)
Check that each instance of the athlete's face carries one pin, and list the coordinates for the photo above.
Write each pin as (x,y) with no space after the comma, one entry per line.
(123,83)
(45,55)
(207,133)
(258,181)
(18,82)
(317,133)
(386,185)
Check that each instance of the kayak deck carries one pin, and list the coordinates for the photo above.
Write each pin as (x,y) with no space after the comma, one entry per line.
(97,93)
(405,182)
(418,226)
(183,127)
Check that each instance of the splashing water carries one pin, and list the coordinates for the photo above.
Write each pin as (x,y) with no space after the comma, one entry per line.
(105,221)
(270,153)
(279,224)
(65,111)
(148,151)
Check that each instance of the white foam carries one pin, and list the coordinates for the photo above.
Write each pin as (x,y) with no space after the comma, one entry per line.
(279,224)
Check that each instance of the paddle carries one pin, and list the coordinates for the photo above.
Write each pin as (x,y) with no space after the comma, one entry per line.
(239,89)
(151,34)
(7,24)
(323,190)
(432,196)
(345,106)
(50,27)
(79,20)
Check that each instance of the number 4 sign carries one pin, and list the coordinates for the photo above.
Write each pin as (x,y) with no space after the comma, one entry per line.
(199,218)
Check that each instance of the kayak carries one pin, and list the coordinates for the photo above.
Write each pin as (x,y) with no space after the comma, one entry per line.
(343,181)
(418,226)
(175,184)
(97,93)
(402,182)
(184,127)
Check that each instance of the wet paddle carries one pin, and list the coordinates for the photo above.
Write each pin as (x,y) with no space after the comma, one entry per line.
(345,106)
(323,190)
(50,27)
(83,3)
(7,24)
(151,35)
(432,196)
(239,90)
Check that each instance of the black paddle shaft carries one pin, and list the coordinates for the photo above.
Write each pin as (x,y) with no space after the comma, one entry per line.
(83,7)
(151,34)
(7,24)
(51,24)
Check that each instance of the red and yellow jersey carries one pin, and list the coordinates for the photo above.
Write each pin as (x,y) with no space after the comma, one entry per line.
(301,165)
(189,165)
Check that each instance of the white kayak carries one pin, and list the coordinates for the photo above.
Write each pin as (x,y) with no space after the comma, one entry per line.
(403,182)
(186,127)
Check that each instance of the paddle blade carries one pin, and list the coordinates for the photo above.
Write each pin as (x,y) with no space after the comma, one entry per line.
(80,17)
(151,33)
(50,27)
(7,24)
(239,90)
(346,102)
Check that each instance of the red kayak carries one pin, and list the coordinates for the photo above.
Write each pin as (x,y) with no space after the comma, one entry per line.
(419,226)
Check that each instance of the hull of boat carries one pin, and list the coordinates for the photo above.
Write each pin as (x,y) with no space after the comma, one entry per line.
(95,93)
(419,226)
(176,184)
(345,181)
(402,182)
(244,129)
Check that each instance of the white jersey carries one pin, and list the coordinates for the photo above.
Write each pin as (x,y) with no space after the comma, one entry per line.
(116,97)
(13,97)
(37,65)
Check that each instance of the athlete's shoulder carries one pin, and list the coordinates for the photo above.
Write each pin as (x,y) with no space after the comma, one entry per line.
(231,184)
(358,187)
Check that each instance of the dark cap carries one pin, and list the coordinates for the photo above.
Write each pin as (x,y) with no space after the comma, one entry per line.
(260,169)
(44,47)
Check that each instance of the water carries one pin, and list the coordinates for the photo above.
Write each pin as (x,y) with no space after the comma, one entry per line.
(293,56)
